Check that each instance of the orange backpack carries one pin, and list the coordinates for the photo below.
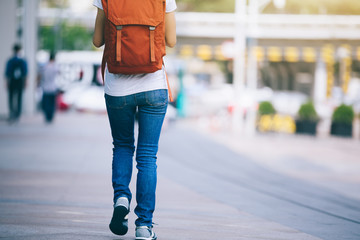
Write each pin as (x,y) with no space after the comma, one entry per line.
(134,36)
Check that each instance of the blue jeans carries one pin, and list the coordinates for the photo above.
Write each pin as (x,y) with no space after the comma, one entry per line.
(49,106)
(151,108)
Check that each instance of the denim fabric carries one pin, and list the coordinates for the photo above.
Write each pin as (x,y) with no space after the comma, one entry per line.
(151,108)
(49,106)
(15,100)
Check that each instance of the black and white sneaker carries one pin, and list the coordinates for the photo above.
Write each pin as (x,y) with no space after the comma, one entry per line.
(145,233)
(119,221)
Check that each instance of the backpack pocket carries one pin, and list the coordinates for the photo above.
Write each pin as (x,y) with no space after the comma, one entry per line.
(133,46)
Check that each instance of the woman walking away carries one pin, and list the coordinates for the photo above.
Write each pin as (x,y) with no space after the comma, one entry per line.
(135,33)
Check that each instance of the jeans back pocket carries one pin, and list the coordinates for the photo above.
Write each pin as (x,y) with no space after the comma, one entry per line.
(115,102)
(156,97)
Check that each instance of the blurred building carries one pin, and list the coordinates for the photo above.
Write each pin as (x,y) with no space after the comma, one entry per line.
(288,49)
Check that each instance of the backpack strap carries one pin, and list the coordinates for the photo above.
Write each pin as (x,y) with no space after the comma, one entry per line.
(118,43)
(168,84)
(103,64)
(170,93)
(152,43)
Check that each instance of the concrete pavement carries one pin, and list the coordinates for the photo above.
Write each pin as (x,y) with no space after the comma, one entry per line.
(55,184)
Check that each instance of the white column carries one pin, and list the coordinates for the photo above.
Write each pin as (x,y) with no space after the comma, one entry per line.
(239,62)
(8,27)
(251,76)
(30,31)
(320,82)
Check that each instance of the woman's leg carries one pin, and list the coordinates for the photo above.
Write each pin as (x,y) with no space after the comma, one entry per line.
(121,112)
(152,109)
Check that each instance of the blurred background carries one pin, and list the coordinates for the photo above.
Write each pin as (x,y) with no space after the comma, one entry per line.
(249,65)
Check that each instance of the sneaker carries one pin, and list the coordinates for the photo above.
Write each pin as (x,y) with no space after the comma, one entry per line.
(144,233)
(119,221)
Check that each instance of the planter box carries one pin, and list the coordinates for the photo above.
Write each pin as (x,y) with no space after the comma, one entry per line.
(341,129)
(306,127)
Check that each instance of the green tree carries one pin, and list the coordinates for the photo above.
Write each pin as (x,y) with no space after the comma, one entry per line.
(46,38)
(65,37)
(206,6)
(76,37)
(55,3)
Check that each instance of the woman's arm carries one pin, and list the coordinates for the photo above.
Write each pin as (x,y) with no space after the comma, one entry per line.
(170,29)
(98,38)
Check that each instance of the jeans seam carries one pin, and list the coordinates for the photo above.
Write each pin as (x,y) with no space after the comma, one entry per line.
(135,100)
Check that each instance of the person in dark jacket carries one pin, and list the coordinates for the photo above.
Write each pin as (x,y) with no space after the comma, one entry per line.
(16,73)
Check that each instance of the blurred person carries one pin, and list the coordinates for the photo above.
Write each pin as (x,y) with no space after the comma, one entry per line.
(16,74)
(124,95)
(49,88)
(81,74)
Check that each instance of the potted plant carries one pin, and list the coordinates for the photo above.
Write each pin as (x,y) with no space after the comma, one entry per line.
(265,112)
(307,119)
(342,119)
(266,108)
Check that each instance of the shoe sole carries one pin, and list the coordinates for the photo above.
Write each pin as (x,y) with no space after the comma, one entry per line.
(142,238)
(154,237)
(118,224)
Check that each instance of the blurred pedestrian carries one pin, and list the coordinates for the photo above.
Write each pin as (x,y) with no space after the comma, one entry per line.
(124,95)
(49,88)
(16,74)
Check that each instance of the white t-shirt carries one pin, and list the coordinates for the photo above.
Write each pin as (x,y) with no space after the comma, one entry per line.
(48,76)
(122,84)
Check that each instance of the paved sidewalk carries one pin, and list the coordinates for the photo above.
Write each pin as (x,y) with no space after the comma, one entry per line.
(328,161)
(55,184)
